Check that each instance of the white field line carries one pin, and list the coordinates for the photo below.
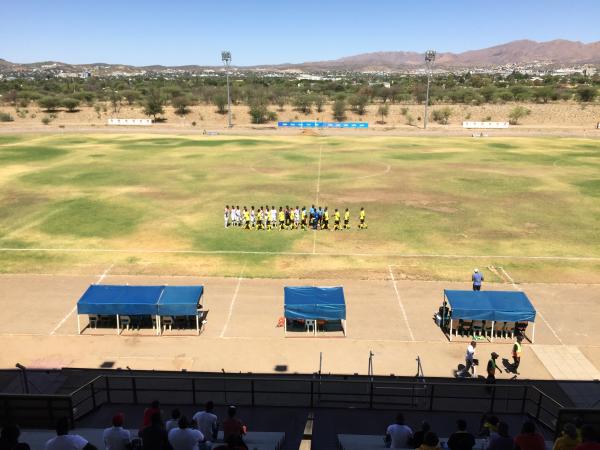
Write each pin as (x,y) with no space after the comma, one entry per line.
(314,242)
(509,278)
(387,169)
(242,252)
(412,337)
(70,313)
(232,304)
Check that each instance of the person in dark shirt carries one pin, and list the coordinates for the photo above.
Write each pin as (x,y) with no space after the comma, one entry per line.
(461,439)
(9,437)
(529,438)
(154,436)
(501,440)
(232,426)
(418,436)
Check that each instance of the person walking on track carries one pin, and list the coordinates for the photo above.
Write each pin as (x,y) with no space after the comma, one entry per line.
(491,369)
(469,361)
(516,354)
(477,278)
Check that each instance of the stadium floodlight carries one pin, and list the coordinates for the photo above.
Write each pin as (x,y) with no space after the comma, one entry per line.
(429,60)
(226,58)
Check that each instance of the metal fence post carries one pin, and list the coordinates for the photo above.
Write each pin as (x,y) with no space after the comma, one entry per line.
(493,399)
(371,395)
(252,390)
(431,396)
(312,391)
(524,399)
(193,391)
(71,412)
(134,389)
(539,407)
(93,395)
(107,386)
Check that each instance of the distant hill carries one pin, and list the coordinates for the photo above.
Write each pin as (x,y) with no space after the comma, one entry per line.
(556,52)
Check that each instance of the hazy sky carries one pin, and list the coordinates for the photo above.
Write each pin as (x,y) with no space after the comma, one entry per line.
(176,32)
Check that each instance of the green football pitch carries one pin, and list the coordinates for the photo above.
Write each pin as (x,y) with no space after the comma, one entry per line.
(436,207)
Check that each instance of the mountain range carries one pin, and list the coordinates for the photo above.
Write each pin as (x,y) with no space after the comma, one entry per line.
(555,52)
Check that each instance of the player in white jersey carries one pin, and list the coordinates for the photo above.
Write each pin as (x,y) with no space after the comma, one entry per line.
(226,216)
(273,217)
(297,218)
(252,217)
(238,216)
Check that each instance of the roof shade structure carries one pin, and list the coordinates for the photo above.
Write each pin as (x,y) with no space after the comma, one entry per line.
(314,303)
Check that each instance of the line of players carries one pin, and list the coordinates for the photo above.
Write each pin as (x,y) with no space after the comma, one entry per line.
(264,218)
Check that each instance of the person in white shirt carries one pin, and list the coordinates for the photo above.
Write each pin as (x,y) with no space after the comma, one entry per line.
(116,437)
(66,441)
(173,422)
(238,216)
(273,217)
(469,361)
(184,437)
(226,216)
(398,435)
(207,422)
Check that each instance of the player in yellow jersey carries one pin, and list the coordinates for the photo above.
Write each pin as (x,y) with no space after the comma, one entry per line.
(281,217)
(362,217)
(304,219)
(246,219)
(346,219)
(259,221)
(336,220)
(325,225)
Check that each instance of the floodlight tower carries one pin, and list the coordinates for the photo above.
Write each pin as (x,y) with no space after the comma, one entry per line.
(429,60)
(226,58)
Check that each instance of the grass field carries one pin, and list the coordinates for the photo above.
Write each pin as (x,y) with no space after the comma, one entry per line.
(436,207)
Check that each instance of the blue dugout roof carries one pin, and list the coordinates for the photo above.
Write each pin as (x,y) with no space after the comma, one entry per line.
(109,300)
(501,306)
(308,302)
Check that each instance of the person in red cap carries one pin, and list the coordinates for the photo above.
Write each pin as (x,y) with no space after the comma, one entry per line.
(116,437)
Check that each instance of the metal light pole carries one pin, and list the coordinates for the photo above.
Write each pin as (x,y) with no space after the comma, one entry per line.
(429,60)
(226,58)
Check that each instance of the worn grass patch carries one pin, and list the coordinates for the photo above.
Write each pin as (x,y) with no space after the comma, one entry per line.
(29,153)
(589,187)
(84,217)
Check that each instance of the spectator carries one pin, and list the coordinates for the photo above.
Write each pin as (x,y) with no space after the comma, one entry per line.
(430,442)
(9,437)
(234,443)
(589,439)
(173,422)
(501,440)
(398,435)
(184,437)
(207,422)
(418,437)
(115,437)
(232,426)
(529,439)
(568,438)
(66,441)
(461,439)
(149,412)
(154,437)
(489,425)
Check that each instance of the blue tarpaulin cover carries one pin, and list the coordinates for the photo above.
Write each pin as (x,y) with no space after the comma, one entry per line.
(109,299)
(179,300)
(308,302)
(505,306)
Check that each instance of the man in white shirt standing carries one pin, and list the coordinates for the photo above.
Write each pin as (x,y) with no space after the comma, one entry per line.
(116,437)
(469,361)
(66,441)
(398,435)
(184,437)
(207,422)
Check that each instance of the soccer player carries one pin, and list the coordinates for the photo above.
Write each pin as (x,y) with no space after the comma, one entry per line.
(252,218)
(303,218)
(259,219)
(336,220)
(226,216)
(246,219)
(346,219)
(273,217)
(325,225)
(362,219)
(266,218)
(281,218)
(238,216)
(297,218)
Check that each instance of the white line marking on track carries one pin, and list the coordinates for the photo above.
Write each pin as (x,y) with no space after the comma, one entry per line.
(412,337)
(241,252)
(233,299)
(509,278)
(70,313)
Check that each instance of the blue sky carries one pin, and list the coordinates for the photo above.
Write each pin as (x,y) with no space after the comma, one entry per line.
(175,32)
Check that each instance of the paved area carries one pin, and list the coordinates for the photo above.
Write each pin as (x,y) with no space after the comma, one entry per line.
(392,318)
(566,362)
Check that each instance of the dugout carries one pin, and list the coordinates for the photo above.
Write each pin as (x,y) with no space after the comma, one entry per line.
(312,305)
(489,307)
(160,304)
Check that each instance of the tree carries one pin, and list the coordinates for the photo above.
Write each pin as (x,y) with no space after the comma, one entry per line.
(319,102)
(71,104)
(544,93)
(153,104)
(339,110)
(50,103)
(181,104)
(517,113)
(586,93)
(131,96)
(258,111)
(303,103)
(383,111)
(358,103)
(441,116)
(220,101)
(488,93)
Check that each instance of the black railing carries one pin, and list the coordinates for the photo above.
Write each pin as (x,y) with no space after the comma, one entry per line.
(290,391)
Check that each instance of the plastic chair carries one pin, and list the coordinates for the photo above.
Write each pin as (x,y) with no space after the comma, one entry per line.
(509,329)
(93,319)
(488,330)
(499,328)
(310,325)
(125,322)
(477,327)
(465,327)
(167,321)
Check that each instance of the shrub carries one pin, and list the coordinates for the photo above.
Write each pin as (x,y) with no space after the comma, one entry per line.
(6,117)
(410,120)
(194,123)
(50,103)
(517,113)
(46,120)
(441,116)
(339,110)
(71,104)
(487,119)
(404,111)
